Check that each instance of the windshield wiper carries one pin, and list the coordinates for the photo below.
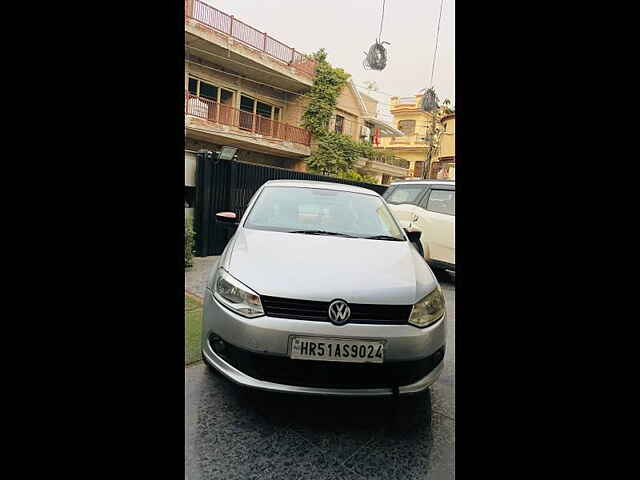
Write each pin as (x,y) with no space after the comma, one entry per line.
(321,232)
(384,237)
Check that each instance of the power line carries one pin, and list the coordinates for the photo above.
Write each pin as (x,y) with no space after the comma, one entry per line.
(269,73)
(436,48)
(381,20)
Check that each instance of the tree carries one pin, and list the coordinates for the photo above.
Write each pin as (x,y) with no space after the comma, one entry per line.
(334,152)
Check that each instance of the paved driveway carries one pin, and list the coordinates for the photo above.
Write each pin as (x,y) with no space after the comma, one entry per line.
(234,433)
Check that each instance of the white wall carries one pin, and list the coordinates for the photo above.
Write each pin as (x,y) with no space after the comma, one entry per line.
(190,169)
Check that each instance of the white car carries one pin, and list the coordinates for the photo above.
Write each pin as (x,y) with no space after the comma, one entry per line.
(430,207)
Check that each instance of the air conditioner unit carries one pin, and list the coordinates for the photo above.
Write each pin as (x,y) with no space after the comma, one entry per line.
(365,131)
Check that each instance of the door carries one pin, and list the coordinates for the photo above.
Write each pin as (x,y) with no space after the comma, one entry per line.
(437,221)
(247,107)
(225,114)
(264,125)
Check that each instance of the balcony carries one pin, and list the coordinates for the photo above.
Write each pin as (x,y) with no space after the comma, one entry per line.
(223,39)
(207,119)
(381,163)
(411,140)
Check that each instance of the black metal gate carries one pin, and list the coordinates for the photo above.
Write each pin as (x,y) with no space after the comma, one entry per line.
(228,186)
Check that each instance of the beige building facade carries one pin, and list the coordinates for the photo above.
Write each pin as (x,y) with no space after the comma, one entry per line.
(246,89)
(413,145)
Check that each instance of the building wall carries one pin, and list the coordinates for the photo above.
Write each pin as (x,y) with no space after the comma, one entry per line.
(190,169)
(370,103)
(243,156)
(240,86)
(448,139)
(295,107)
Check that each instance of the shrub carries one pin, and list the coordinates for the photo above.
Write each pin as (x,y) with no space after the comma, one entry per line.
(189,242)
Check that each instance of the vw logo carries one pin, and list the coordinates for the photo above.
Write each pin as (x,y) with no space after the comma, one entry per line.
(339,312)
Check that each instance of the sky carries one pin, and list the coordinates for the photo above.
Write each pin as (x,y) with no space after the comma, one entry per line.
(347,28)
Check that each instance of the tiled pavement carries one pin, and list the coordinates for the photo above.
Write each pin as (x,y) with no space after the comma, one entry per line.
(234,433)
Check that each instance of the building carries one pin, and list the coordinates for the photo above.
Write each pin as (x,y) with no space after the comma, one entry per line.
(445,166)
(412,121)
(246,89)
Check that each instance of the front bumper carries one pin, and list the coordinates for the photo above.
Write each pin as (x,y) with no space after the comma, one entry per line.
(241,378)
(413,356)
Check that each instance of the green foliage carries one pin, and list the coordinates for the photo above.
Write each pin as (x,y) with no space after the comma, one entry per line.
(357,177)
(192,330)
(335,153)
(367,150)
(327,85)
(189,242)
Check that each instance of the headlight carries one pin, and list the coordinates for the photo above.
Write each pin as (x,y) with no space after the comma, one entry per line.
(236,296)
(428,310)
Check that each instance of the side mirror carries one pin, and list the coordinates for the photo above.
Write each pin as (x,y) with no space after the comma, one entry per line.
(414,235)
(227,219)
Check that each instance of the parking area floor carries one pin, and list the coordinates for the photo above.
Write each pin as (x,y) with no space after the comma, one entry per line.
(235,433)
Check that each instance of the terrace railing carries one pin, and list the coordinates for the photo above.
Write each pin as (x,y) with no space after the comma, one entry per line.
(396,161)
(226,115)
(228,24)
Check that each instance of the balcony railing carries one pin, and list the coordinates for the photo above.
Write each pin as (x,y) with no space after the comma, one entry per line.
(407,100)
(384,157)
(396,161)
(412,138)
(226,115)
(214,18)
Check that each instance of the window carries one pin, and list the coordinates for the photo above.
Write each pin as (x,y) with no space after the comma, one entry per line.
(339,124)
(203,89)
(405,193)
(193,86)
(264,110)
(366,133)
(247,107)
(442,201)
(286,209)
(208,91)
(407,127)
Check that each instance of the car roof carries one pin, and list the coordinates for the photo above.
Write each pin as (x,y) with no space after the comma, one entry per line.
(424,182)
(317,184)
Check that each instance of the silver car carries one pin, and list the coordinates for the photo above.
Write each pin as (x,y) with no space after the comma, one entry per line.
(320,291)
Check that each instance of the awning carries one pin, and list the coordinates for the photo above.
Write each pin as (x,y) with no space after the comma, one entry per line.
(386,130)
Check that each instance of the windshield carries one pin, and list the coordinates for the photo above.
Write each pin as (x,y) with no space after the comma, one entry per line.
(317,210)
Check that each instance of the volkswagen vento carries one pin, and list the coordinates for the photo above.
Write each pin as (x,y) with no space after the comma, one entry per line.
(319,291)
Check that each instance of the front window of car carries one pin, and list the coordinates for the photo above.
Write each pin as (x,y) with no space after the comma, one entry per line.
(318,210)
(405,194)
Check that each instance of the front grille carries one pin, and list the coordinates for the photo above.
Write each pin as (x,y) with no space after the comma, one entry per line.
(318,311)
(312,373)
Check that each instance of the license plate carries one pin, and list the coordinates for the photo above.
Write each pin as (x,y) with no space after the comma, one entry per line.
(337,350)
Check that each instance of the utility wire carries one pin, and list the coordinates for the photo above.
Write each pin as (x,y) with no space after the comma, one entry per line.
(381,20)
(275,74)
(436,49)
